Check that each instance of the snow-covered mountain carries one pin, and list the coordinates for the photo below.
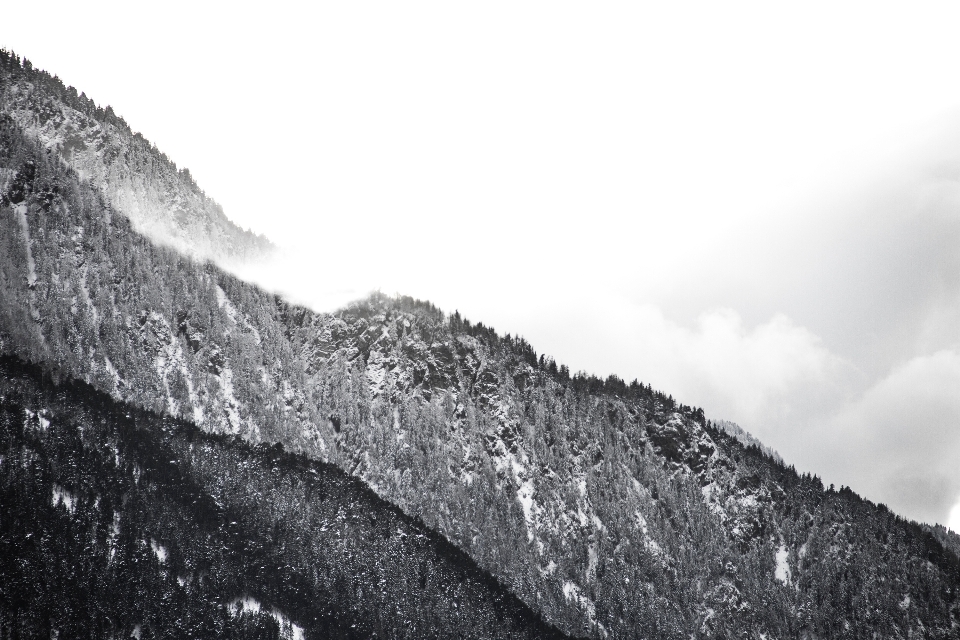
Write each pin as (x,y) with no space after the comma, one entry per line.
(609,508)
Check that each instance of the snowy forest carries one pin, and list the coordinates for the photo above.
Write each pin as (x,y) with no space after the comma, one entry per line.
(174,434)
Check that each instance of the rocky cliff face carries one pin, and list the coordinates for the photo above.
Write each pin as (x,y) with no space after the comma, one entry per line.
(161,201)
(609,507)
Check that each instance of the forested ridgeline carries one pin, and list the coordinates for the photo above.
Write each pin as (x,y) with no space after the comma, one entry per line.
(608,507)
(113,519)
(161,200)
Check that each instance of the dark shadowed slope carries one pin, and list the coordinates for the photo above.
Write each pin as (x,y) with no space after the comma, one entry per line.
(114,519)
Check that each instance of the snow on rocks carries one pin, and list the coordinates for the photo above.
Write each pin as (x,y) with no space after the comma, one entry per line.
(511,461)
(169,363)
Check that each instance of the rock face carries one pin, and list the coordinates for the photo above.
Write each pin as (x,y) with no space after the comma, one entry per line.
(162,202)
(608,507)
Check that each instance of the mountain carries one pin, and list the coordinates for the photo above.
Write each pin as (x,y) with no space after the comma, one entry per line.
(609,508)
(161,201)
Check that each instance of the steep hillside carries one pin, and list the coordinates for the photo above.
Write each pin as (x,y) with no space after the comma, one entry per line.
(608,507)
(163,202)
(114,521)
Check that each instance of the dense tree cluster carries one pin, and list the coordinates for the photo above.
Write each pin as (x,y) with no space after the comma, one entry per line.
(665,523)
(14,68)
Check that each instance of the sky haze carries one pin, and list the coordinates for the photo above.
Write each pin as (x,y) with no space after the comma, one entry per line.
(751,207)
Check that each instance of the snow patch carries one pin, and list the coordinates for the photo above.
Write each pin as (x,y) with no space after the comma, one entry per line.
(169,359)
(782,572)
(247,604)
(704,626)
(61,495)
(112,372)
(712,494)
(114,534)
(525,496)
(159,550)
(224,303)
(376,372)
(598,523)
(21,212)
(513,461)
(231,406)
(592,559)
(236,317)
(652,546)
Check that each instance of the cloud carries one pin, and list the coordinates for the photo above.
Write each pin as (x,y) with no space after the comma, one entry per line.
(743,374)
(899,442)
(953,520)
(771,377)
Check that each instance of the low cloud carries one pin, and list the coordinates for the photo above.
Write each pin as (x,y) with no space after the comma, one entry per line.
(899,442)
(745,374)
(953,520)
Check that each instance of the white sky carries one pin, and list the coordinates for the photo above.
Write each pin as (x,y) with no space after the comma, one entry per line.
(753,207)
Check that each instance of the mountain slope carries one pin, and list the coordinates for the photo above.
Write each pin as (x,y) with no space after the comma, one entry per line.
(185,534)
(609,508)
(162,202)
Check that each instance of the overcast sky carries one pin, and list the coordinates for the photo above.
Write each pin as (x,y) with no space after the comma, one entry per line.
(755,208)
